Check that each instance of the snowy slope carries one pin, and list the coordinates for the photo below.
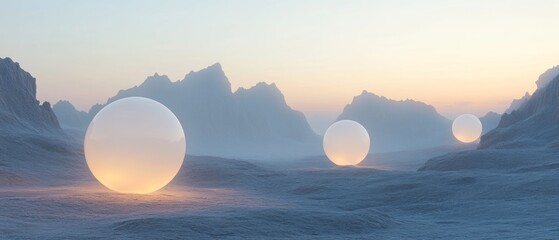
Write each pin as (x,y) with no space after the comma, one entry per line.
(233,199)
(532,125)
(32,145)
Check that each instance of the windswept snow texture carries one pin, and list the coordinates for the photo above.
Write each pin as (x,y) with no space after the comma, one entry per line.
(32,145)
(233,199)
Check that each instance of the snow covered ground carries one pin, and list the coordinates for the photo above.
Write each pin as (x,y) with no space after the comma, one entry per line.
(234,199)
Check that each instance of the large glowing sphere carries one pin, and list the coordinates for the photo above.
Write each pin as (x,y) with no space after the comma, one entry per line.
(466,128)
(134,145)
(346,143)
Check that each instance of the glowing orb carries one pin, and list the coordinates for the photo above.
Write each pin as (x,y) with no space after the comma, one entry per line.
(134,145)
(466,128)
(346,143)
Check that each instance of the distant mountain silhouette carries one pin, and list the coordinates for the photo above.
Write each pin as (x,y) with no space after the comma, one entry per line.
(248,123)
(19,108)
(69,117)
(490,121)
(399,125)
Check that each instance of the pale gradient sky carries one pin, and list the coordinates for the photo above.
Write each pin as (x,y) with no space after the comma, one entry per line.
(460,56)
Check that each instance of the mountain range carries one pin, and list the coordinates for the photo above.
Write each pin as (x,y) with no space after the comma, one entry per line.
(257,122)
(247,123)
(405,124)
(398,125)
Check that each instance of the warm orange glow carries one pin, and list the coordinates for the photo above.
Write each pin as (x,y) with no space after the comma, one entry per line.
(134,145)
(346,143)
(466,128)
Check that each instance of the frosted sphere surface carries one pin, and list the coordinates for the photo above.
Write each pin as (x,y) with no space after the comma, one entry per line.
(346,143)
(134,145)
(467,128)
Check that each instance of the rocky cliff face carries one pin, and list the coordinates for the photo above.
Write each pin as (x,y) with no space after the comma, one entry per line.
(398,125)
(19,108)
(517,103)
(534,124)
(548,76)
(32,145)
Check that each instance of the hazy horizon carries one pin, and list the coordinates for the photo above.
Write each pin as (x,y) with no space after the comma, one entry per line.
(456,56)
(250,148)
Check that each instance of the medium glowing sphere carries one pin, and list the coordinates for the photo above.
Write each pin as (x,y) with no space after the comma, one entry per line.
(466,128)
(134,145)
(346,143)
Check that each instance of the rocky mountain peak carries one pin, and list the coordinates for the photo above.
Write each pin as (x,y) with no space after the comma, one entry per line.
(19,106)
(210,79)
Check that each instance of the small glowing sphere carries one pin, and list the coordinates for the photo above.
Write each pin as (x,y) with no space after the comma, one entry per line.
(134,145)
(346,143)
(466,128)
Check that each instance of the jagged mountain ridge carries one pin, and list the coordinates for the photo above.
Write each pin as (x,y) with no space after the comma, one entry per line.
(534,124)
(254,122)
(517,103)
(545,78)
